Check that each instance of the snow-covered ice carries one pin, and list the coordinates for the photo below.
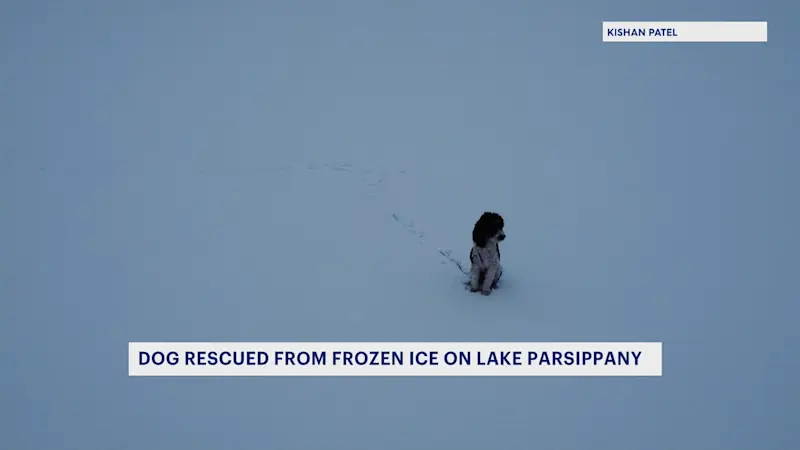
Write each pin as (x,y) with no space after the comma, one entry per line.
(289,172)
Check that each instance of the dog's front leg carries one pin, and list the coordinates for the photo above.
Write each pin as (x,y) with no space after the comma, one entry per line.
(475,275)
(491,273)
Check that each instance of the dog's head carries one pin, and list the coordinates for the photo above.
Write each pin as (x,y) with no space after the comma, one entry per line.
(488,227)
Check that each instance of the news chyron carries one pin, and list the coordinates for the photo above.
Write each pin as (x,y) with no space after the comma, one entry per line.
(408,359)
(685,32)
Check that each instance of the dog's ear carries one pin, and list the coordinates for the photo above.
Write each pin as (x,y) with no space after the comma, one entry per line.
(479,235)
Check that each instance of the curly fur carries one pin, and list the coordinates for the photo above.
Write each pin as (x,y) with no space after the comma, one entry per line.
(485,254)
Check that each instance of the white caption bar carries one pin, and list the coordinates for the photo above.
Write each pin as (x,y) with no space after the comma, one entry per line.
(684,31)
(420,359)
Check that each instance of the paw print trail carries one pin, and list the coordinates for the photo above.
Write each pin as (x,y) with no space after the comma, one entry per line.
(376,184)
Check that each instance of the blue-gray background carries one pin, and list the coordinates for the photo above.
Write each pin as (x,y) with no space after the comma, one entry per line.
(228,170)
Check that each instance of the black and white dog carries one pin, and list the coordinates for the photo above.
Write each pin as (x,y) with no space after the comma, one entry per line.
(485,254)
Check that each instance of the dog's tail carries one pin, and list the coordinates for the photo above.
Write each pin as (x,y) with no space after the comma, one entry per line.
(448,254)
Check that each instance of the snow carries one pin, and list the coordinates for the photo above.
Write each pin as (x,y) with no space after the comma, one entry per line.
(289,173)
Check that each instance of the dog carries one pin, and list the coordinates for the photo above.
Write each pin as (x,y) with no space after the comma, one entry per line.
(486,270)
